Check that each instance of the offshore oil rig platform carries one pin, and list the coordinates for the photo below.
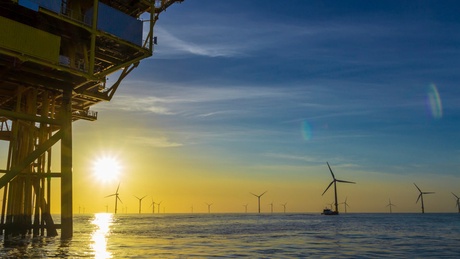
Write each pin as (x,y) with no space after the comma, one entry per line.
(55,56)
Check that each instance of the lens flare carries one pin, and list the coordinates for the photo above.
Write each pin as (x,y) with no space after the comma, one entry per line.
(434,102)
(307,133)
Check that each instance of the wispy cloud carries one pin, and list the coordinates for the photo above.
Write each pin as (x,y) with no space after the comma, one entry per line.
(132,103)
(172,45)
(162,142)
(193,100)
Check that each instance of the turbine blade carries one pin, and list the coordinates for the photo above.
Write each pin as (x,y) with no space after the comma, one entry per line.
(420,195)
(455,195)
(253,194)
(143,197)
(262,193)
(110,195)
(118,187)
(418,188)
(333,176)
(119,199)
(327,188)
(136,197)
(342,181)
(428,192)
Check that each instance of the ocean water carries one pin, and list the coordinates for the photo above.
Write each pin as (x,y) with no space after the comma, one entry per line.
(249,235)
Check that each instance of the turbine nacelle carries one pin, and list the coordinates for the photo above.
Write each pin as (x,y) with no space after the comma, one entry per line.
(258,196)
(334,179)
(421,193)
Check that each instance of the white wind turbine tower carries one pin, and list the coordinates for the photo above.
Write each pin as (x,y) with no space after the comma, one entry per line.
(140,202)
(284,207)
(420,197)
(153,206)
(116,198)
(458,202)
(390,205)
(158,205)
(209,207)
(258,198)
(345,204)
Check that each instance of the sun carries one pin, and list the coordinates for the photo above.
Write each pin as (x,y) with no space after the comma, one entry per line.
(107,168)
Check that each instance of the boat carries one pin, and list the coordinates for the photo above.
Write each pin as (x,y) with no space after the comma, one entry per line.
(327,211)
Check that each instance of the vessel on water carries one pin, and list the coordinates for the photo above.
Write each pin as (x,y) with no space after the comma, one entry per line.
(328,211)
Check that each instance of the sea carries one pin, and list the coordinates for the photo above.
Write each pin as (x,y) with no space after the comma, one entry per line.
(351,235)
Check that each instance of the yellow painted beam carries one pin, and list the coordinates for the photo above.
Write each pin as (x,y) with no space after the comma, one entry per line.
(30,158)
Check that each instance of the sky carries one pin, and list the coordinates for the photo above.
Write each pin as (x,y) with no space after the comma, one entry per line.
(253,96)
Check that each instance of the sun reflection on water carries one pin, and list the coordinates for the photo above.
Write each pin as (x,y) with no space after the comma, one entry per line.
(102,222)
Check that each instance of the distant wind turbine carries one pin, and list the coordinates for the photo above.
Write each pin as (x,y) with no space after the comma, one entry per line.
(116,198)
(458,202)
(258,198)
(345,204)
(390,205)
(271,207)
(284,207)
(420,197)
(334,181)
(245,208)
(158,205)
(209,207)
(153,206)
(140,202)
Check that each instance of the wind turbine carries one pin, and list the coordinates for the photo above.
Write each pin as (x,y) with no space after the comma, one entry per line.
(345,204)
(458,202)
(159,206)
(153,206)
(420,197)
(209,207)
(334,181)
(258,198)
(271,207)
(284,207)
(116,198)
(140,202)
(245,208)
(390,205)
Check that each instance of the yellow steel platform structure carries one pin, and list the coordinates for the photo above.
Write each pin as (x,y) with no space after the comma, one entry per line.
(55,56)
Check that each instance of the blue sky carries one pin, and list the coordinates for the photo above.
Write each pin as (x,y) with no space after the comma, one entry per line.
(274,89)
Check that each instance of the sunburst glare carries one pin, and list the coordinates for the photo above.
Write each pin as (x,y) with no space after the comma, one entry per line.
(107,168)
